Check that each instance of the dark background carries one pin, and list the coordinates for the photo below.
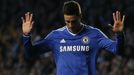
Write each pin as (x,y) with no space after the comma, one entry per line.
(48,16)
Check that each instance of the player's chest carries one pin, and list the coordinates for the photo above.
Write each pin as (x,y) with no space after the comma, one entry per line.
(82,44)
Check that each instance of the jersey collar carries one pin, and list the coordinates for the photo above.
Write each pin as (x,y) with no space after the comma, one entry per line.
(77,32)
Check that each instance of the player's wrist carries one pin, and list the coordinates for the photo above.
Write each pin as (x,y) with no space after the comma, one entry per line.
(26,34)
(120,34)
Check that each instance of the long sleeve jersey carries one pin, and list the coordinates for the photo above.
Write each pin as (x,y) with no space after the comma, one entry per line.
(74,54)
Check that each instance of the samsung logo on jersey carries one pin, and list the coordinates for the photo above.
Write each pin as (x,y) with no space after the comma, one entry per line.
(74,48)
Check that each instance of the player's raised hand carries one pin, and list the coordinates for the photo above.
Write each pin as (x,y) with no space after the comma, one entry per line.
(27,23)
(118,22)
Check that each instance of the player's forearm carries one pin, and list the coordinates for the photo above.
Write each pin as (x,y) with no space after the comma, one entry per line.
(31,51)
(120,43)
(34,51)
(27,47)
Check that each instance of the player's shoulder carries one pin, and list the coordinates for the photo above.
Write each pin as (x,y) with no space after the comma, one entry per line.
(55,32)
(96,31)
(60,29)
(91,28)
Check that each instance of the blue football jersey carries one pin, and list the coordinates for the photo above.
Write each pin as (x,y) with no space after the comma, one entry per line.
(74,54)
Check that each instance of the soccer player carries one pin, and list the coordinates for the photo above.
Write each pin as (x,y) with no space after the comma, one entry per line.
(75,47)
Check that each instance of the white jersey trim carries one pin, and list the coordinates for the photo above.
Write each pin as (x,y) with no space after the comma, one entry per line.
(61,29)
(73,33)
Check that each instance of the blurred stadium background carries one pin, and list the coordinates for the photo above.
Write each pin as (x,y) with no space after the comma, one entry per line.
(48,16)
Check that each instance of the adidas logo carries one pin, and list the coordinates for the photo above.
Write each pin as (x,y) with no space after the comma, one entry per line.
(62,41)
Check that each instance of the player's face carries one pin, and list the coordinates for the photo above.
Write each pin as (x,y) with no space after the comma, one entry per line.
(72,21)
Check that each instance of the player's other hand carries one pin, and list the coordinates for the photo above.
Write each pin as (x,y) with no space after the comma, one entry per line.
(27,23)
(118,22)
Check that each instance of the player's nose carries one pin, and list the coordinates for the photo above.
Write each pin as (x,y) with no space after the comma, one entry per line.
(70,24)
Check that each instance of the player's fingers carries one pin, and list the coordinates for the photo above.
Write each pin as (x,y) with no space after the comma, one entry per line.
(26,16)
(23,20)
(114,17)
(119,15)
(123,18)
(117,18)
(32,23)
(31,17)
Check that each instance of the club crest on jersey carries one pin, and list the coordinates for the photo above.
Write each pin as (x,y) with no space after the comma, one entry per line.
(85,40)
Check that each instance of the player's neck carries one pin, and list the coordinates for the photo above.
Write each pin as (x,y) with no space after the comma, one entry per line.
(77,29)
